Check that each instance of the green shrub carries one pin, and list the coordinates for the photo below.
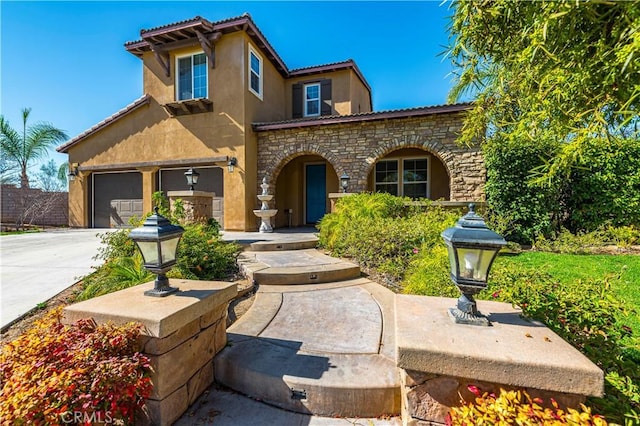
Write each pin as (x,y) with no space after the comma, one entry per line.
(605,185)
(567,242)
(115,244)
(587,242)
(623,236)
(517,407)
(336,233)
(54,373)
(116,274)
(429,274)
(587,314)
(203,255)
(524,209)
(381,232)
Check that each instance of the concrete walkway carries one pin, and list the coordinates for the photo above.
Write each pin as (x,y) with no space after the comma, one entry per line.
(315,348)
(37,266)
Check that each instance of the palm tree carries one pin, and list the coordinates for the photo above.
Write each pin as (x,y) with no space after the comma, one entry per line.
(33,144)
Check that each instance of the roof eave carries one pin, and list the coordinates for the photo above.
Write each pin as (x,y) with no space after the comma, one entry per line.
(355,118)
(348,64)
(242,23)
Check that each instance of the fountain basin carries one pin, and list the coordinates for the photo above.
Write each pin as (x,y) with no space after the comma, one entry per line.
(265,216)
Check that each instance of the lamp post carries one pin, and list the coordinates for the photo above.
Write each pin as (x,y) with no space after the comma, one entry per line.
(344,181)
(192,177)
(157,239)
(472,249)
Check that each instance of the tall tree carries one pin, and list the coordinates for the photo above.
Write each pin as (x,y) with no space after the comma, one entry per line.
(565,70)
(32,144)
(52,177)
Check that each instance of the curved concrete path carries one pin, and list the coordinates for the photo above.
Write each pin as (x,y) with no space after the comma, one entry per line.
(318,344)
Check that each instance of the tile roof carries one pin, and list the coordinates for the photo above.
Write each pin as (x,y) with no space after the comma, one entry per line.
(143,100)
(361,117)
(238,23)
(333,66)
(243,22)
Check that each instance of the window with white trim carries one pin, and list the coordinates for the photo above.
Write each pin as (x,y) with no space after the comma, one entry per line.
(255,72)
(415,178)
(312,100)
(192,77)
(387,176)
(408,177)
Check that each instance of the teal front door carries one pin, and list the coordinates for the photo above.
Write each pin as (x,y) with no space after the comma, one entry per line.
(316,190)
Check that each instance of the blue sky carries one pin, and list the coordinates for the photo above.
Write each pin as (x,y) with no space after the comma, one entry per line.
(67,62)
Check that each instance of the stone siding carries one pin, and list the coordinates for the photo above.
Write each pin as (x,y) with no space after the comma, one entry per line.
(181,335)
(355,147)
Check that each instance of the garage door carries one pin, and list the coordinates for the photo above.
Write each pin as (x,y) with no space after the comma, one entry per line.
(210,180)
(111,191)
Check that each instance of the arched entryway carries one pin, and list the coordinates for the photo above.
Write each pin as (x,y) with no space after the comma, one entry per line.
(301,190)
(410,172)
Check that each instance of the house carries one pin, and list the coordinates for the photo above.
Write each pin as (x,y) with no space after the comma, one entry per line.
(217,97)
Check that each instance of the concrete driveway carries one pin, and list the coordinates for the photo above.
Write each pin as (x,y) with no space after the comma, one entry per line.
(36,267)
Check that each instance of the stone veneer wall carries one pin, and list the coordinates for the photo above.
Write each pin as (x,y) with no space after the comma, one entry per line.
(354,148)
(196,204)
(187,354)
(182,334)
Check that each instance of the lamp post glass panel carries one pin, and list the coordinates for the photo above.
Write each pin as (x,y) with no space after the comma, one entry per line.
(192,177)
(472,248)
(344,181)
(157,239)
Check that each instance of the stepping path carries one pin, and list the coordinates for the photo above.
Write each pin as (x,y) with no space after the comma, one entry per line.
(318,339)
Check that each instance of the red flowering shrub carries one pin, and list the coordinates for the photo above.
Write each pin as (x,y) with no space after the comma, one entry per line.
(80,373)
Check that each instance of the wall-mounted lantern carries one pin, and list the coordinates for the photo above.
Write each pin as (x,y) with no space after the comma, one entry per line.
(73,171)
(344,181)
(472,249)
(233,161)
(192,177)
(157,239)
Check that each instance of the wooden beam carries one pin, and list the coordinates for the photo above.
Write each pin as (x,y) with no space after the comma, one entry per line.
(201,105)
(207,161)
(162,57)
(208,48)
(183,107)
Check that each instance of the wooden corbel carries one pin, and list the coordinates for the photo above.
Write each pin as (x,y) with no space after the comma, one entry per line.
(208,45)
(162,57)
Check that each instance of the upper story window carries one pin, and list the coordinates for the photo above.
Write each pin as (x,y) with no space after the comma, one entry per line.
(408,177)
(192,77)
(311,100)
(255,72)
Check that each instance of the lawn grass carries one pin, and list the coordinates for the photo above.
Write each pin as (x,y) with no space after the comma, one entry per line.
(29,231)
(622,270)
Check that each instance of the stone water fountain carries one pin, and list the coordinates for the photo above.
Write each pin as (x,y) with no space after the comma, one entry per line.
(265,213)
